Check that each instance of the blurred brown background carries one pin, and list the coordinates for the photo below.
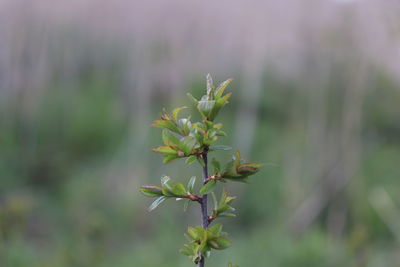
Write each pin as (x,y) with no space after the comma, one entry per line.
(316,96)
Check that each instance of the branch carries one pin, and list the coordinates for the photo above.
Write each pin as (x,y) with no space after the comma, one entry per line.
(203,203)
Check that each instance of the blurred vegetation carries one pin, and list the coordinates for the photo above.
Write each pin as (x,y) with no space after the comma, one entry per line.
(316,97)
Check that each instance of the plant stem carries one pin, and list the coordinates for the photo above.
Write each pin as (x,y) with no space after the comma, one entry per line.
(203,204)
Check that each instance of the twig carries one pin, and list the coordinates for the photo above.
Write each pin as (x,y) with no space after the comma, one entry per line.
(203,203)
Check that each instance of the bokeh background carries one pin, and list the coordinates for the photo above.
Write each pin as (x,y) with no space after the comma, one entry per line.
(316,97)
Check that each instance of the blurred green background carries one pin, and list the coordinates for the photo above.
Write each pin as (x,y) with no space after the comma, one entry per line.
(316,96)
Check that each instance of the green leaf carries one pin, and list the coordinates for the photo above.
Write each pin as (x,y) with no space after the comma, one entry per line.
(186,252)
(210,138)
(227,214)
(216,165)
(179,190)
(205,107)
(209,124)
(192,251)
(252,164)
(237,158)
(219,103)
(187,144)
(220,147)
(157,202)
(245,171)
(185,124)
(203,241)
(218,126)
(166,181)
(221,133)
(229,200)
(221,88)
(164,150)
(216,229)
(191,159)
(220,243)
(167,192)
(191,183)
(208,187)
(194,233)
(166,124)
(176,111)
(230,170)
(223,100)
(151,190)
(224,207)
(170,139)
(170,158)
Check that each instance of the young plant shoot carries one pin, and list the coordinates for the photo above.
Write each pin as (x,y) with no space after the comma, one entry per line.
(194,141)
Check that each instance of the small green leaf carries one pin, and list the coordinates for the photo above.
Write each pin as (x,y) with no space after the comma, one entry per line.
(221,88)
(191,183)
(166,181)
(216,229)
(176,111)
(236,158)
(170,158)
(193,233)
(157,202)
(203,241)
(185,124)
(166,124)
(252,164)
(209,124)
(170,139)
(216,165)
(224,207)
(166,192)
(230,170)
(228,200)
(220,243)
(247,170)
(179,190)
(186,144)
(208,187)
(191,159)
(186,252)
(218,126)
(221,133)
(151,190)
(223,100)
(164,150)
(205,107)
(219,103)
